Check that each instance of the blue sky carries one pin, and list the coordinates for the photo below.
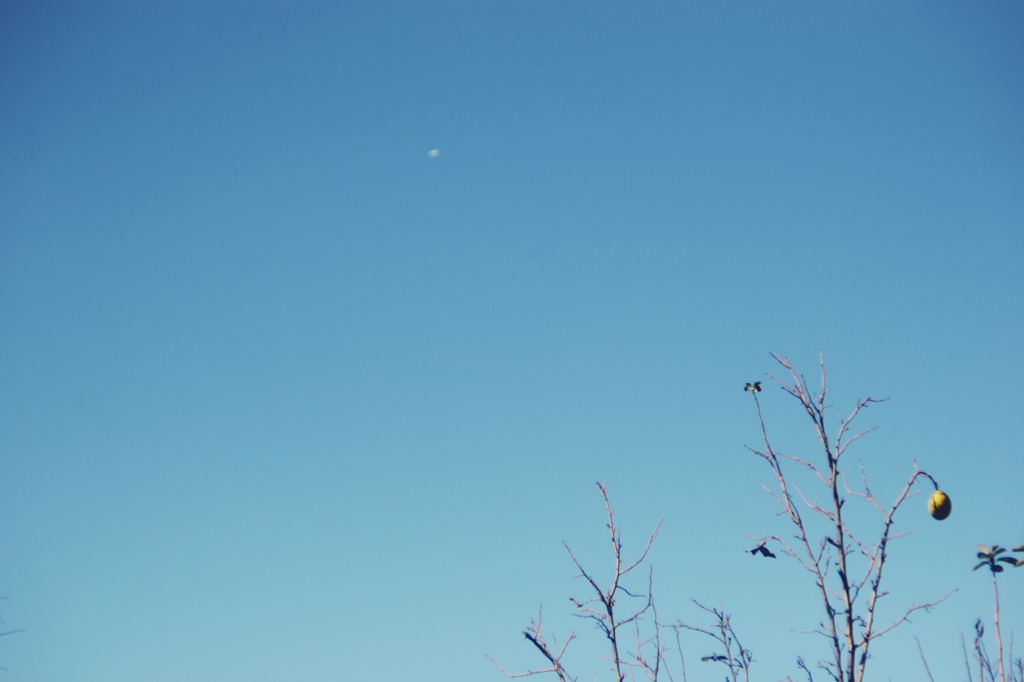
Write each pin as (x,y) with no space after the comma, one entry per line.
(286,398)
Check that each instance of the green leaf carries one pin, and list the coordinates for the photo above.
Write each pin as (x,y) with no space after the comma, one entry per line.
(1007,559)
(1019,548)
(997,550)
(996,568)
(984,555)
(983,563)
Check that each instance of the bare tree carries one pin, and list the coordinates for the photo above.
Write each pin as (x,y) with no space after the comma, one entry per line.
(849,601)
(603,609)
(733,655)
(849,621)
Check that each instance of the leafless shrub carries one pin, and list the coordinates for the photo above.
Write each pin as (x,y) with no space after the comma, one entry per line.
(849,622)
(732,654)
(603,608)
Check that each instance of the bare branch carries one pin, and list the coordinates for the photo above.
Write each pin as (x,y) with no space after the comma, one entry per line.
(923,659)
(848,623)
(533,634)
(605,616)
(647,547)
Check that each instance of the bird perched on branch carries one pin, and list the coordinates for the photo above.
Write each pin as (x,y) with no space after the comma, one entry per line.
(754,387)
(762,550)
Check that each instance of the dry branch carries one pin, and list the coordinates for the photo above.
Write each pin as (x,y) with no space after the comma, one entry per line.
(849,625)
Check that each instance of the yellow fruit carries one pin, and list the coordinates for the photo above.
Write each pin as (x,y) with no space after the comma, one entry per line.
(939,505)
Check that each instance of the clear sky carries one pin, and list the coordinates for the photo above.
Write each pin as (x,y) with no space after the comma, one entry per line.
(282,396)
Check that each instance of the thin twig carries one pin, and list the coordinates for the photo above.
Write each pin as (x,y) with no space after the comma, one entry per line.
(923,659)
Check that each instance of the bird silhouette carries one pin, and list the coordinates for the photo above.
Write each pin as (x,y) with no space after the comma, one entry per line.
(754,387)
(762,550)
